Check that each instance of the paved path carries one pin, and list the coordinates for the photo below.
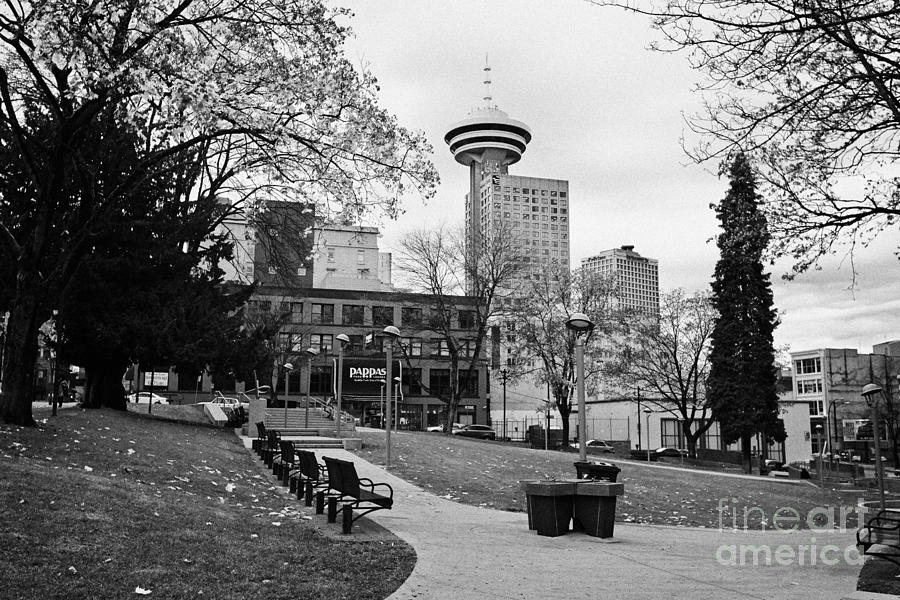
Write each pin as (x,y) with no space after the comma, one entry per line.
(468,552)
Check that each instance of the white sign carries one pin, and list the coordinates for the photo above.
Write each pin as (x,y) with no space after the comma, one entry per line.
(156,379)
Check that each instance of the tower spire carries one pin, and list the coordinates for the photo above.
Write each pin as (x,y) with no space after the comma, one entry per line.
(487,83)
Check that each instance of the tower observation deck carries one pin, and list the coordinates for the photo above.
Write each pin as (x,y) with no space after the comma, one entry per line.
(487,142)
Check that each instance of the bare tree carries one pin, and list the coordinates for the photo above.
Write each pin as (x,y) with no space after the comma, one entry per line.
(539,316)
(257,92)
(808,88)
(667,356)
(436,262)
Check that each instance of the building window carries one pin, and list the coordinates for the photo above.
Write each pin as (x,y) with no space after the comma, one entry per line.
(443,349)
(467,319)
(356,343)
(320,381)
(468,383)
(671,434)
(330,252)
(412,382)
(296,312)
(412,346)
(382,316)
(808,366)
(439,382)
(322,314)
(352,314)
(322,342)
(284,341)
(297,342)
(809,386)
(360,257)
(411,317)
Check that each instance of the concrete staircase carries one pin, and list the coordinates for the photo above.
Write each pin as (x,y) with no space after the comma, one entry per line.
(296,421)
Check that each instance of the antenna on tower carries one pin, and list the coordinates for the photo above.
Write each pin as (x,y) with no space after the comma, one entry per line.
(487,83)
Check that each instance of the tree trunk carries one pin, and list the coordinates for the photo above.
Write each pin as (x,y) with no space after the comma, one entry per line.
(746,454)
(19,360)
(763,453)
(453,404)
(103,385)
(565,410)
(691,441)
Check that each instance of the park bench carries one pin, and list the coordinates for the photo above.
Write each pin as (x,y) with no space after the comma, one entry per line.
(311,477)
(880,536)
(261,439)
(285,466)
(271,447)
(345,486)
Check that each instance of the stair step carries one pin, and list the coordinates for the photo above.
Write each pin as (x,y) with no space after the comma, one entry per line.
(318,444)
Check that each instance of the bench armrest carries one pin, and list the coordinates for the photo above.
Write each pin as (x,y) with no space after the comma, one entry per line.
(372,485)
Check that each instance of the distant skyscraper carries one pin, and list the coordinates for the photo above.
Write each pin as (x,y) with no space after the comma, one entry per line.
(636,277)
(535,210)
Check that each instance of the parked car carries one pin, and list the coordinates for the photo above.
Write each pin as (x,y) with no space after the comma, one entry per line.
(483,432)
(676,452)
(596,445)
(440,428)
(147,397)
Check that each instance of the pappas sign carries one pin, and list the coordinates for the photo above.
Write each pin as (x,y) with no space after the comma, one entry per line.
(363,377)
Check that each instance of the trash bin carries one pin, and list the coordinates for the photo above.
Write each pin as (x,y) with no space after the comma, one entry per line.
(594,507)
(550,505)
(596,470)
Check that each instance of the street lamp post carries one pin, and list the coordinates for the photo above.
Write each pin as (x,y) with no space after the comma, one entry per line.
(391,333)
(871,392)
(504,375)
(821,456)
(832,441)
(343,339)
(639,417)
(288,367)
(311,353)
(647,412)
(580,324)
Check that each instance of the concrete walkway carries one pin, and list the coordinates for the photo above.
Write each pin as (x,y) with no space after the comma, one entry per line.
(469,552)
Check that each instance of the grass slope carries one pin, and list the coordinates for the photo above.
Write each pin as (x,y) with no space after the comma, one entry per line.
(96,504)
(489,474)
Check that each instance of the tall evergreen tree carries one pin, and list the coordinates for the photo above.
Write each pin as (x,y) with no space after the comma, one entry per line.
(742,379)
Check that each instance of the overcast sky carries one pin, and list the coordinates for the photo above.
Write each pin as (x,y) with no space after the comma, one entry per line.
(606,114)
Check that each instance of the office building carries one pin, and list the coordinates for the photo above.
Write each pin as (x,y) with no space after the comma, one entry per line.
(636,277)
(535,210)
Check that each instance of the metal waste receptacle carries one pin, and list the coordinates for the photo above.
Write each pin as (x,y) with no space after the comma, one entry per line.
(550,505)
(603,471)
(594,510)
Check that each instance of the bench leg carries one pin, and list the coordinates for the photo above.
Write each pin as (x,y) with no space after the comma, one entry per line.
(293,485)
(320,502)
(332,509)
(285,475)
(309,493)
(347,524)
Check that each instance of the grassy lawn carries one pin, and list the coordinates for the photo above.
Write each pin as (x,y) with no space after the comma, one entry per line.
(489,474)
(96,504)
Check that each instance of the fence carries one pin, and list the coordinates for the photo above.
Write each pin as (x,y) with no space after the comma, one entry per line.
(597,429)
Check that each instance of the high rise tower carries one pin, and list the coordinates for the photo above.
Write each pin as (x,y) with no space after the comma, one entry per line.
(534,209)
